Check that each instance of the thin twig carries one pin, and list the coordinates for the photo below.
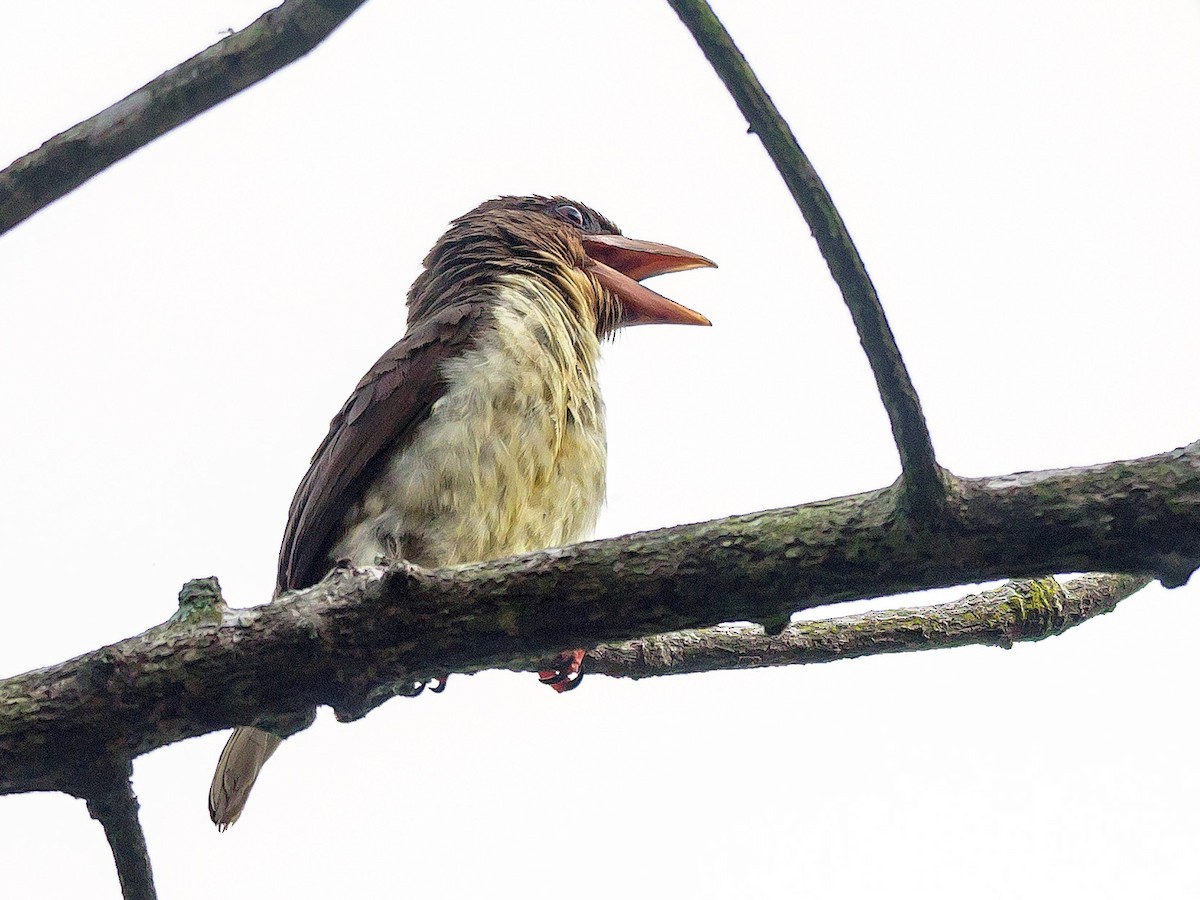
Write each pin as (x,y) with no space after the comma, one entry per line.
(116,808)
(66,161)
(924,487)
(1017,611)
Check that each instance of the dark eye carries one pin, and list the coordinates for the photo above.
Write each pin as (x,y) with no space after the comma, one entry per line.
(569,213)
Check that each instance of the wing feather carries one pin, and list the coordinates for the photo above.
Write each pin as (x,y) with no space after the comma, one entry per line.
(377,420)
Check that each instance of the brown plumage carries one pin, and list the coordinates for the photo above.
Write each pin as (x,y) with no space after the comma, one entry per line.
(479,434)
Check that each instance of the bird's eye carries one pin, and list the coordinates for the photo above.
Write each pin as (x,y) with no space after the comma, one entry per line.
(569,213)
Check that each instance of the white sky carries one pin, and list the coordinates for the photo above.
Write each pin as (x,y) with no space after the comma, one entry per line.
(174,337)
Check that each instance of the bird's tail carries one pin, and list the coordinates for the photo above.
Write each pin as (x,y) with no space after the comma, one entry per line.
(245,753)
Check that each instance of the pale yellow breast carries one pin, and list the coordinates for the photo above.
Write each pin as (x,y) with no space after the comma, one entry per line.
(511,458)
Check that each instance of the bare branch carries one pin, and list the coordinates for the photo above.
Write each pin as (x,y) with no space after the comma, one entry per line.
(116,808)
(347,642)
(925,489)
(66,161)
(1017,611)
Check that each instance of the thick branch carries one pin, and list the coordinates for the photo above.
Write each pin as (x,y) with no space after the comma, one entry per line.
(923,481)
(116,808)
(347,641)
(1017,611)
(66,161)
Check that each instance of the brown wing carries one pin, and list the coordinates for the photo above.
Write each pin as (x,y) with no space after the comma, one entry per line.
(379,418)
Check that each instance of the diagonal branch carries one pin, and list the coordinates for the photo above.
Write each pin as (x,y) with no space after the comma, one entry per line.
(115,807)
(66,161)
(1017,611)
(349,640)
(925,490)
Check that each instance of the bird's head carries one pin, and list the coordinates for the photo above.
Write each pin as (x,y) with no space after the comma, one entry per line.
(594,269)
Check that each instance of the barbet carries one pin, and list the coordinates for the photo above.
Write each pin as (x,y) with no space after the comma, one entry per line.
(480,434)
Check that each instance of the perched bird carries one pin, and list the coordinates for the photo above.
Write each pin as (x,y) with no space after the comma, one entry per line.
(481,433)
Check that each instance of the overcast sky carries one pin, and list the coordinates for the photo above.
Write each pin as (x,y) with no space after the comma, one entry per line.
(1021,179)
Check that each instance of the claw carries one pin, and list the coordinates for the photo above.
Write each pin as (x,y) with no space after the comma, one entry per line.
(568,674)
(418,687)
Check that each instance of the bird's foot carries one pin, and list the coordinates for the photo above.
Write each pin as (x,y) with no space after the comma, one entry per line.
(418,687)
(568,674)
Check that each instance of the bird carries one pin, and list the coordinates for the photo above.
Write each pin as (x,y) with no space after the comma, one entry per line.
(480,434)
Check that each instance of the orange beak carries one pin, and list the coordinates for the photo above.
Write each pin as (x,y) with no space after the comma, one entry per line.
(619,263)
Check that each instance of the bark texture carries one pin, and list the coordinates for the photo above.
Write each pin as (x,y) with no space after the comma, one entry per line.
(364,635)
(278,37)
(1023,610)
(116,809)
(924,483)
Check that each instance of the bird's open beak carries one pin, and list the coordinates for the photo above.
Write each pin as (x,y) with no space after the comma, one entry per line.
(619,263)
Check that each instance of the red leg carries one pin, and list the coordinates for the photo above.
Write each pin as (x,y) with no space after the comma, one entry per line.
(568,674)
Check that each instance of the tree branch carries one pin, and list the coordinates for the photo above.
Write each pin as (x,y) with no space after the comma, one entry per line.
(66,161)
(115,807)
(350,640)
(1017,611)
(924,486)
